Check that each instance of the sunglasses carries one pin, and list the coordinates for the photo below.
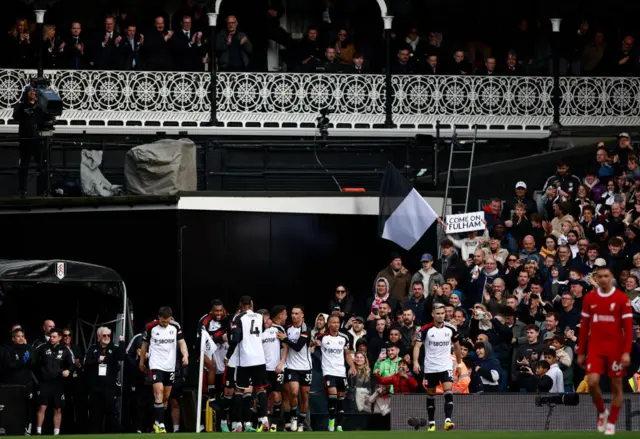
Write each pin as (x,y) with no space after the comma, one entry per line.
(341,291)
(66,335)
(106,335)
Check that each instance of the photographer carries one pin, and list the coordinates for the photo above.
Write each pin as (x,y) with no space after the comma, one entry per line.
(543,382)
(30,117)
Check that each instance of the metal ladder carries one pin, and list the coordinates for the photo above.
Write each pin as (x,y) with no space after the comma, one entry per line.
(459,147)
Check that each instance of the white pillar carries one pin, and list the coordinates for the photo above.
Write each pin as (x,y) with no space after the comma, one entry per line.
(40,15)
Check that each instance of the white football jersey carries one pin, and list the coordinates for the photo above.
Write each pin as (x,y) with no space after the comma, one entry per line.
(299,360)
(332,349)
(246,330)
(163,345)
(437,346)
(272,346)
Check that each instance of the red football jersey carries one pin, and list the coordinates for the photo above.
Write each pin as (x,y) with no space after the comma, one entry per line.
(607,323)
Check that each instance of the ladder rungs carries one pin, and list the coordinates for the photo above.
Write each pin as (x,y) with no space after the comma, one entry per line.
(460,169)
(461,152)
(455,204)
(457,187)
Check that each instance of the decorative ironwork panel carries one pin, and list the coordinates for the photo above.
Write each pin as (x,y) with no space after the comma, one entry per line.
(181,97)
(600,101)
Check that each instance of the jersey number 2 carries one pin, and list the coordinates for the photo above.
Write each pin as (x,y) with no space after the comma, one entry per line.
(253,330)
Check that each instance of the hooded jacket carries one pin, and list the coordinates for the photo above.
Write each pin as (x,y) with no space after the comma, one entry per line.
(489,217)
(428,278)
(487,377)
(373,302)
(399,282)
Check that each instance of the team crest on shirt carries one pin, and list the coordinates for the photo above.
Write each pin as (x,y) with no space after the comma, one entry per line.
(613,305)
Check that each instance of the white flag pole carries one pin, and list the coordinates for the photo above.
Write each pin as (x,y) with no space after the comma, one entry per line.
(200,373)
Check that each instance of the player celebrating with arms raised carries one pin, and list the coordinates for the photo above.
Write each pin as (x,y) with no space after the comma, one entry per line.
(335,349)
(437,338)
(605,312)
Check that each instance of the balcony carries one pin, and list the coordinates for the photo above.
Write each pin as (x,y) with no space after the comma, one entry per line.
(121,102)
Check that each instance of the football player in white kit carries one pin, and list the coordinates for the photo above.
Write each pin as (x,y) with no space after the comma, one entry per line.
(275,353)
(297,378)
(438,338)
(335,347)
(246,341)
(161,339)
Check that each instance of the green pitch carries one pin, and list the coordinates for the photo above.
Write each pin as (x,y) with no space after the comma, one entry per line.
(458,434)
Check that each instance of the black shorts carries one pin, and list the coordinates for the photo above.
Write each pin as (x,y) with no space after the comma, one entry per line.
(51,394)
(219,383)
(160,376)
(340,383)
(303,377)
(435,378)
(229,378)
(276,380)
(255,376)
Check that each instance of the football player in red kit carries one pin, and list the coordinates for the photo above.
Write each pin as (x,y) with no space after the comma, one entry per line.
(606,334)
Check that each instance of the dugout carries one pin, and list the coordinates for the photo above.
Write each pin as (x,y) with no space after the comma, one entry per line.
(76,295)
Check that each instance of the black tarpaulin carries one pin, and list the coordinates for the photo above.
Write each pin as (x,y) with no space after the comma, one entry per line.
(55,271)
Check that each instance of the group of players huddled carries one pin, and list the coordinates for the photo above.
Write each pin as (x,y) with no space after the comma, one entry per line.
(262,363)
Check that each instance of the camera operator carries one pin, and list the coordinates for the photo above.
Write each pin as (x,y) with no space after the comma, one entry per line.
(101,369)
(31,118)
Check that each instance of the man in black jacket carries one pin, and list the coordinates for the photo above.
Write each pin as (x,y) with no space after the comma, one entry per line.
(16,369)
(140,398)
(54,362)
(527,356)
(30,117)
(101,369)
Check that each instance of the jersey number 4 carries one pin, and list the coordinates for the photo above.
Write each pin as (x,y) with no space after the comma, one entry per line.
(254,330)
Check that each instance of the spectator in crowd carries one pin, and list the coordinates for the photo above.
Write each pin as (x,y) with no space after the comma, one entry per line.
(469,244)
(569,314)
(130,49)
(459,65)
(593,54)
(75,53)
(398,278)
(450,261)
(429,277)
(357,66)
(20,50)
(402,381)
(527,355)
(158,45)
(418,47)
(623,61)
(188,48)
(345,49)
(105,49)
(330,62)
(554,371)
(402,65)
(309,52)
(74,414)
(486,370)
(17,367)
(47,326)
(53,48)
(433,65)
(512,66)
(380,297)
(564,354)
(543,383)
(416,302)
(233,48)
(360,384)
(489,68)
(355,328)
(495,250)
(492,213)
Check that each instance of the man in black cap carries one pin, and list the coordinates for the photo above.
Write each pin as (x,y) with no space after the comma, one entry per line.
(30,117)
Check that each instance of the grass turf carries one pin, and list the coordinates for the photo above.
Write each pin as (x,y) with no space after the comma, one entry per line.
(456,434)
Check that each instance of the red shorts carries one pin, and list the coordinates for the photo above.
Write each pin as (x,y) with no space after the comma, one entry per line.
(605,364)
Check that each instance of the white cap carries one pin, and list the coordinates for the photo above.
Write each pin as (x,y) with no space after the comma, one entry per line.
(599,229)
(621,135)
(600,262)
(521,185)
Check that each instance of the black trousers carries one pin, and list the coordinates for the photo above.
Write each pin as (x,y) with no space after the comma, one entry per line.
(102,411)
(32,149)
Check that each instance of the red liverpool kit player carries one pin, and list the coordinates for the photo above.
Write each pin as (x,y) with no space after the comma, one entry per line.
(606,334)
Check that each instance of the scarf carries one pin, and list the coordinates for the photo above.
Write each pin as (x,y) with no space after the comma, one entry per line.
(377,300)
(413,43)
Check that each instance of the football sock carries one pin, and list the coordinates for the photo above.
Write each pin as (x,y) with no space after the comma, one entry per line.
(247,404)
(158,413)
(340,416)
(599,403)
(613,415)
(431,407)
(261,396)
(333,405)
(236,408)
(448,404)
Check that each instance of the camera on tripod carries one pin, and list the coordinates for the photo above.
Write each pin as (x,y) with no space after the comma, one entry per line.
(323,123)
(49,101)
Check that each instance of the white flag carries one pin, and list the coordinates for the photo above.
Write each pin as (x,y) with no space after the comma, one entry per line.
(207,344)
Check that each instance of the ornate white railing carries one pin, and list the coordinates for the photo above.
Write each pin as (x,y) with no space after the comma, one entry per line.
(356,101)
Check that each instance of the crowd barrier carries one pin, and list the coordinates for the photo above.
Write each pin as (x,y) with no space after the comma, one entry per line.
(515,412)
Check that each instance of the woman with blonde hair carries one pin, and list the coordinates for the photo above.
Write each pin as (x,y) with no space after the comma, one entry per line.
(360,383)
(52,47)
(21,51)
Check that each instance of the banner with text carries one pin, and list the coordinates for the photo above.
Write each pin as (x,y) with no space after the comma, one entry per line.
(465,222)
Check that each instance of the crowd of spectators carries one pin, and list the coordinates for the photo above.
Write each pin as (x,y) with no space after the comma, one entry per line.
(335,42)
